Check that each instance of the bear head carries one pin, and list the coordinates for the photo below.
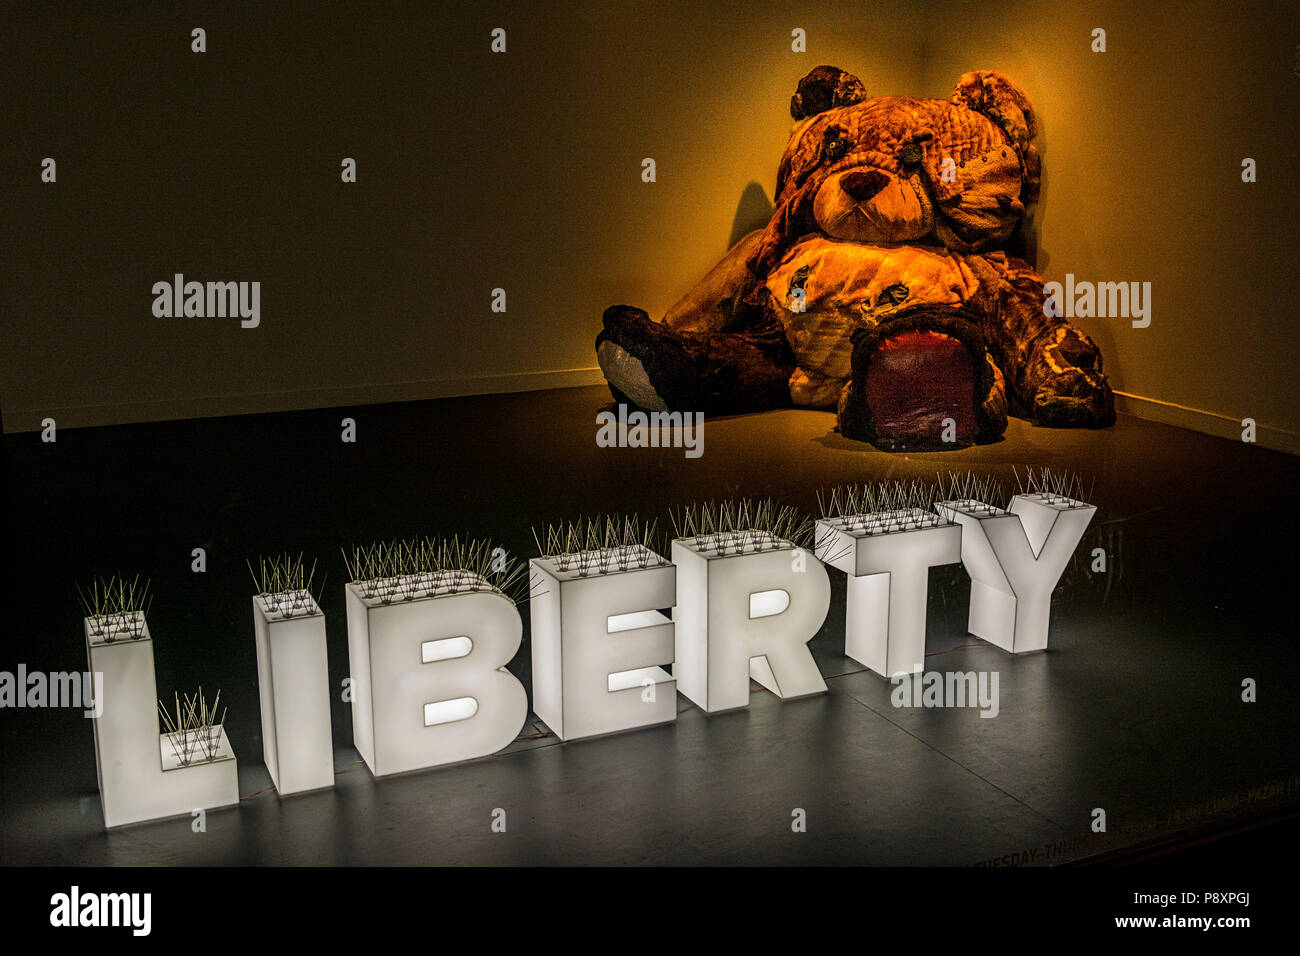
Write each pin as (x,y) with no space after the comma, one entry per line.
(890,169)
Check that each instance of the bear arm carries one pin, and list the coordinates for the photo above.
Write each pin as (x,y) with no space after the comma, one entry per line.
(716,303)
(1053,371)
(1017,320)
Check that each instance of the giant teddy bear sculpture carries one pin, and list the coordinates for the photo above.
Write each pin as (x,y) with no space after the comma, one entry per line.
(877,287)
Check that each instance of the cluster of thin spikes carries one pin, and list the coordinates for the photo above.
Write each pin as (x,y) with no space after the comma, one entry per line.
(741,526)
(883,506)
(1063,488)
(284,584)
(115,607)
(194,730)
(409,569)
(873,508)
(971,492)
(601,545)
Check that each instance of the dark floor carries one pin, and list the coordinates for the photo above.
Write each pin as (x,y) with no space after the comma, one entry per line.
(1135,708)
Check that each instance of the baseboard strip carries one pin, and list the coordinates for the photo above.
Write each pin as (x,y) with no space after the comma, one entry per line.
(1206,422)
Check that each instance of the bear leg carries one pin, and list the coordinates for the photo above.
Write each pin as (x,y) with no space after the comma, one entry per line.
(715,373)
(1053,371)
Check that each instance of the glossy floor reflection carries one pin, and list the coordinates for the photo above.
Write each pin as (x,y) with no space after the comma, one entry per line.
(1135,708)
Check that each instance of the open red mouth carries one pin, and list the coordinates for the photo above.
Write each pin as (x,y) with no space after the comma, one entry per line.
(920,383)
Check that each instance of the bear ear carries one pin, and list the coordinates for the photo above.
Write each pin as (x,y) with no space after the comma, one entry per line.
(991,93)
(824,88)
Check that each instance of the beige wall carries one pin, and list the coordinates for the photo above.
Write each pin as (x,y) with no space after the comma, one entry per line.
(523,171)
(1142,148)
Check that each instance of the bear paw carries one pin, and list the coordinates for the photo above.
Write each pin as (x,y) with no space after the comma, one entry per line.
(1069,389)
(618,348)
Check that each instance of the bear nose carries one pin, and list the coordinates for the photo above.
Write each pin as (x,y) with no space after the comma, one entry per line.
(862,184)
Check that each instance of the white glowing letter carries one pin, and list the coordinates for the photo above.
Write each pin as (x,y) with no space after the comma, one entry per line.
(747,605)
(887,556)
(140,775)
(427,660)
(1014,558)
(293,683)
(600,641)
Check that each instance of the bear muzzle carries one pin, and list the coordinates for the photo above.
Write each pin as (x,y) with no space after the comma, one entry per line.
(866,204)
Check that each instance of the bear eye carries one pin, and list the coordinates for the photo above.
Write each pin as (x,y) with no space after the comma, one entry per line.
(835,145)
(910,154)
